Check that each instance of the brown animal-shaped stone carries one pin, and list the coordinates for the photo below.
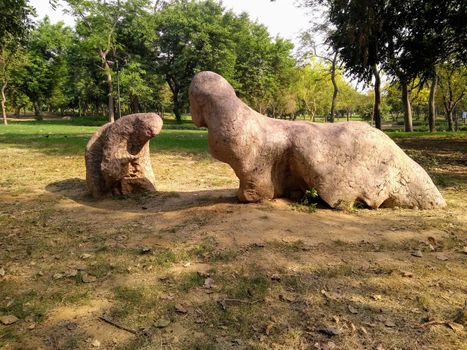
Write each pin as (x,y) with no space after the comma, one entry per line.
(344,162)
(117,156)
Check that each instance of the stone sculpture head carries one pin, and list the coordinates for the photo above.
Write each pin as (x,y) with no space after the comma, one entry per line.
(147,124)
(144,126)
(210,96)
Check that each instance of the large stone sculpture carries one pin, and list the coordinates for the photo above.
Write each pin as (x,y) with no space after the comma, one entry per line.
(344,162)
(117,156)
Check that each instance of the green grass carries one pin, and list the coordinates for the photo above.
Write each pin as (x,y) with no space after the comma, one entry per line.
(62,137)
(402,134)
(69,137)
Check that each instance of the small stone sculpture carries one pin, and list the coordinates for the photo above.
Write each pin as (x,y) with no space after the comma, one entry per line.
(344,162)
(117,156)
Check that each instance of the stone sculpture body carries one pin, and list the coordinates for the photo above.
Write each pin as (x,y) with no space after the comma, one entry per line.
(344,162)
(117,156)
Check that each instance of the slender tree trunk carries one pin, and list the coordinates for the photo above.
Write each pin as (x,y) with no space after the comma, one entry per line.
(336,90)
(108,71)
(37,110)
(432,105)
(177,107)
(408,125)
(111,98)
(377,100)
(450,120)
(3,103)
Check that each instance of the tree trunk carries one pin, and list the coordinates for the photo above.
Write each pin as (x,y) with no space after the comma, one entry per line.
(177,107)
(111,98)
(3,103)
(432,105)
(450,120)
(377,100)
(336,90)
(37,110)
(408,125)
(134,104)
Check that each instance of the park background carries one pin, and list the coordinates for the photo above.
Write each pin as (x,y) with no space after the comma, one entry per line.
(189,267)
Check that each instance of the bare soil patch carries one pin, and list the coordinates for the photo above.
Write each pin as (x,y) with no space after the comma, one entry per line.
(191,268)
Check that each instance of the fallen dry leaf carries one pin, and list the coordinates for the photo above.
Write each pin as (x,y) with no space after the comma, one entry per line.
(455,326)
(208,283)
(417,253)
(268,328)
(161,323)
(180,309)
(71,273)
(328,295)
(57,276)
(287,298)
(8,319)
(323,346)
(442,257)
(352,310)
(87,278)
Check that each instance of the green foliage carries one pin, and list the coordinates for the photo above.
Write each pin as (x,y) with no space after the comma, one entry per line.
(15,21)
(143,57)
(309,200)
(42,75)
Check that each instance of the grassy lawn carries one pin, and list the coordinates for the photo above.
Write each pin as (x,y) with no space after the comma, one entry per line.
(191,268)
(63,137)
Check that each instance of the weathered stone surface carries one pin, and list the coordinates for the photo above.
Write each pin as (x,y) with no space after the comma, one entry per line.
(344,162)
(117,156)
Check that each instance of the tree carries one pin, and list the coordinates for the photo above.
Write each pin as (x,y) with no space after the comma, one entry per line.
(452,88)
(406,38)
(263,68)
(329,55)
(432,104)
(8,57)
(358,27)
(96,26)
(15,22)
(43,71)
(191,36)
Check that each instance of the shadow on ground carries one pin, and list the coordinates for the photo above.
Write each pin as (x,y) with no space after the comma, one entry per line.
(75,189)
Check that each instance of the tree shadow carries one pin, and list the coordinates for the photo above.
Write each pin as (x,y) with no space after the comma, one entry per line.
(160,201)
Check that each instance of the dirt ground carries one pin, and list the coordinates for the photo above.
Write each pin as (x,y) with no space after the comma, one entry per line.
(191,268)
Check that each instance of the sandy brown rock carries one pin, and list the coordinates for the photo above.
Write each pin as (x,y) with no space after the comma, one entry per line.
(117,156)
(344,162)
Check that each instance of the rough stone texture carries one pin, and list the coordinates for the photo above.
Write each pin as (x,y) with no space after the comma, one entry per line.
(344,162)
(117,156)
